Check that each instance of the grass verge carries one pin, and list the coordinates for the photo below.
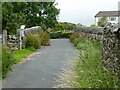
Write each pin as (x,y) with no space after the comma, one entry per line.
(88,68)
(10,59)
(18,55)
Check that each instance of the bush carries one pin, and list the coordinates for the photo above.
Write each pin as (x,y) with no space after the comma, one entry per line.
(66,34)
(33,40)
(45,39)
(7,61)
(60,34)
(74,36)
(76,41)
(54,35)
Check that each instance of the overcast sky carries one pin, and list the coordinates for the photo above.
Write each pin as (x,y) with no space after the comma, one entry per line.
(83,11)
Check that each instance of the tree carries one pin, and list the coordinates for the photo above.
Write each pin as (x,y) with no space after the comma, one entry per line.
(64,26)
(30,14)
(79,24)
(93,25)
(102,22)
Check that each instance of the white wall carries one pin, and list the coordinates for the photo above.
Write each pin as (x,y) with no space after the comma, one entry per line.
(97,19)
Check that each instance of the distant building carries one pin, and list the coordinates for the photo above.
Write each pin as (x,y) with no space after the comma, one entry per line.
(112,16)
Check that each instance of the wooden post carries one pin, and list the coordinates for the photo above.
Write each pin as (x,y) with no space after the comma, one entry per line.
(21,38)
(4,37)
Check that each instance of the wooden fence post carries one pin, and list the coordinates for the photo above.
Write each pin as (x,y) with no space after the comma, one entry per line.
(4,37)
(20,34)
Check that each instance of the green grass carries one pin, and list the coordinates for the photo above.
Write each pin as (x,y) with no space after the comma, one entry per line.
(9,59)
(18,55)
(89,69)
(87,63)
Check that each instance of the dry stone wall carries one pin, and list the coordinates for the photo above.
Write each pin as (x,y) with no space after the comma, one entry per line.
(110,38)
(15,42)
(12,42)
(111,49)
(93,33)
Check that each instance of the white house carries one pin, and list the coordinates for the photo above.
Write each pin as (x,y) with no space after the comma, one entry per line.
(112,16)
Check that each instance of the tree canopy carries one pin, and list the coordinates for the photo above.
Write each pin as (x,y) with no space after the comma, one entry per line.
(15,14)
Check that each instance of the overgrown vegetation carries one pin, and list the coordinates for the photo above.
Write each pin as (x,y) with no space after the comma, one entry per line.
(89,69)
(45,39)
(33,40)
(60,34)
(38,39)
(9,59)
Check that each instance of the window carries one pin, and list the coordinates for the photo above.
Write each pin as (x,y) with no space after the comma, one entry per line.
(112,18)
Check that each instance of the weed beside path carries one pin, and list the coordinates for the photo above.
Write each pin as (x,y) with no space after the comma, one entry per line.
(89,68)
(10,59)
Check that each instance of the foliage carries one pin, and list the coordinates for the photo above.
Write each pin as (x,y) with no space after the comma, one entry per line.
(89,69)
(33,40)
(29,14)
(102,21)
(93,25)
(74,36)
(67,34)
(80,25)
(45,39)
(61,26)
(54,35)
(60,34)
(7,61)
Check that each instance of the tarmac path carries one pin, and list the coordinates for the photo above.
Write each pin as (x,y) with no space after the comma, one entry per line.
(40,71)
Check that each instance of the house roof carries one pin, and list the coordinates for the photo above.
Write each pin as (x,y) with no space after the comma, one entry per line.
(107,14)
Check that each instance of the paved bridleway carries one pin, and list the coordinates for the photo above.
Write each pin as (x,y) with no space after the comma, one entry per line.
(40,71)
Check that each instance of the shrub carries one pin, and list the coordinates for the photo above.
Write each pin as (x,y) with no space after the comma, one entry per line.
(76,41)
(60,34)
(7,61)
(45,39)
(33,40)
(74,36)
(55,35)
(66,34)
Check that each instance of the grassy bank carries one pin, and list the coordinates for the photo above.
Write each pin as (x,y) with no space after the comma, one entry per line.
(33,42)
(90,72)
(9,59)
